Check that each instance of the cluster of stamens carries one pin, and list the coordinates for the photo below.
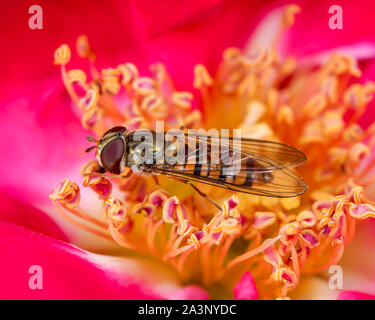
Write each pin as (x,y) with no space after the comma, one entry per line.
(277,240)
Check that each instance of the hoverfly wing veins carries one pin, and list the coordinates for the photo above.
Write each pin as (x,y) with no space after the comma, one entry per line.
(263,167)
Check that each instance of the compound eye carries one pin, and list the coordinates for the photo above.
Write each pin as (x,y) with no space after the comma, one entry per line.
(112,154)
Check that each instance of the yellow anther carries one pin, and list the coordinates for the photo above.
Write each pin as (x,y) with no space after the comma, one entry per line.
(144,86)
(116,212)
(353,133)
(307,219)
(67,193)
(90,118)
(260,131)
(286,115)
(194,241)
(77,75)
(231,55)
(201,77)
(84,49)
(330,87)
(333,123)
(151,101)
(259,57)
(287,276)
(289,13)
(255,111)
(86,171)
(191,118)
(182,99)
(129,72)
(231,226)
(358,152)
(338,64)
(185,229)
(263,219)
(62,55)
(290,203)
(248,86)
(91,99)
(180,215)
(111,81)
(288,66)
(315,105)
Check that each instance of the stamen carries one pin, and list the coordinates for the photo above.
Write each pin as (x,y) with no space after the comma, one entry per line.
(151,234)
(62,55)
(266,244)
(84,49)
(79,224)
(201,77)
(288,15)
(128,72)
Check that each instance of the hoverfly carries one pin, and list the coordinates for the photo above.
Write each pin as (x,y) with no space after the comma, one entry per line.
(261,167)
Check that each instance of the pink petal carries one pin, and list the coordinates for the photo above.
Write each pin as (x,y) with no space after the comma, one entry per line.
(245,289)
(358,261)
(203,38)
(186,33)
(354,295)
(67,272)
(63,23)
(157,18)
(21,214)
(190,293)
(46,139)
(312,24)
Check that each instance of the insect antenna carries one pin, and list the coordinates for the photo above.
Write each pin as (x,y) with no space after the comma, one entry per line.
(90,148)
(91,139)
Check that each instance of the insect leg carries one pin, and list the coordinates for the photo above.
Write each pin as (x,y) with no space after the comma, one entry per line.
(156,180)
(203,195)
(98,174)
(199,191)
(104,175)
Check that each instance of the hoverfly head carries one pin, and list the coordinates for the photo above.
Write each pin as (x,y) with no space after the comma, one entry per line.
(112,149)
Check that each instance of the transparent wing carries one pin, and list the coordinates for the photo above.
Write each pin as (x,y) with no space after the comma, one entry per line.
(245,165)
(286,183)
(258,167)
(270,155)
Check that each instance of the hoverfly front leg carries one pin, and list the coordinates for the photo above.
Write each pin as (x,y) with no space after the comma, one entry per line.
(104,175)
